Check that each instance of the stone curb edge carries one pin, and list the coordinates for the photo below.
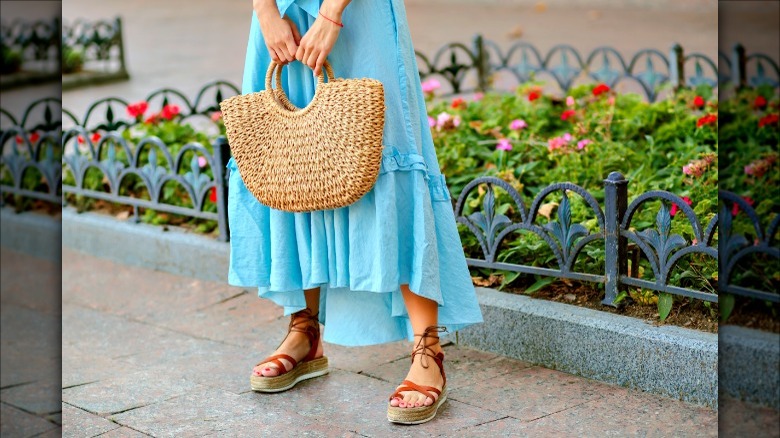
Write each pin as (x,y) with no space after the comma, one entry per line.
(666,360)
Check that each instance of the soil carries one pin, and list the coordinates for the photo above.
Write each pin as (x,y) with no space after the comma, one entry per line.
(686,312)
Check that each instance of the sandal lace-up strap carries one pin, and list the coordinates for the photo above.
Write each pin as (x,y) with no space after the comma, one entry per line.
(312,331)
(421,348)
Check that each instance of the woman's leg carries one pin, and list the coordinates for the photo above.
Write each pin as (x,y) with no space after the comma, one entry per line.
(297,343)
(423,312)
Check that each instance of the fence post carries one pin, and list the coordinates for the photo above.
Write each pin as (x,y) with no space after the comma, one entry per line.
(121,44)
(483,69)
(616,257)
(677,67)
(738,66)
(221,157)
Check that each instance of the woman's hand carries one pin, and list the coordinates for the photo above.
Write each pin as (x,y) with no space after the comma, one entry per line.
(281,36)
(319,39)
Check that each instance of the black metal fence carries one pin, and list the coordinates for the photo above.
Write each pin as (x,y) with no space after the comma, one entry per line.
(649,69)
(28,147)
(31,52)
(47,50)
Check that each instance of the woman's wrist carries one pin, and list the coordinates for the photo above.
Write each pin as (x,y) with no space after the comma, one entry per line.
(333,9)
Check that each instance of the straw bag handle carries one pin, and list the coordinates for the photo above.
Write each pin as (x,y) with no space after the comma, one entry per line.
(273,70)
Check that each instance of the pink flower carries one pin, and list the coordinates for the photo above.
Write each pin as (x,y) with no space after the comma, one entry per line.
(611,100)
(202,162)
(570,102)
(504,145)
(443,118)
(518,124)
(558,142)
(567,137)
(582,143)
(446,121)
(431,122)
(430,85)
(675,208)
(216,116)
(478,96)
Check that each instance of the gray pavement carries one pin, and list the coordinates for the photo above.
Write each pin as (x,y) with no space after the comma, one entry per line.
(166,355)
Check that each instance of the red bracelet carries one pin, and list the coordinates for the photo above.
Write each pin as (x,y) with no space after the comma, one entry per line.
(331,20)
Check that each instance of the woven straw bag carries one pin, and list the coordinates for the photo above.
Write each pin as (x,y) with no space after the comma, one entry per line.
(324,156)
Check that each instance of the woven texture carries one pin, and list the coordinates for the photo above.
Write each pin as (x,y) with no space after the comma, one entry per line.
(324,156)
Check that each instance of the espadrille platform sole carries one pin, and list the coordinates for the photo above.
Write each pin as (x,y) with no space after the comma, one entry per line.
(304,370)
(416,415)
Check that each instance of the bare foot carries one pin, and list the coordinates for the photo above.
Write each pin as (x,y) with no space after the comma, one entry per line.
(295,345)
(422,376)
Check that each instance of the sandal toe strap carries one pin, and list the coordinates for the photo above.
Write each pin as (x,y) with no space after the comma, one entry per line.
(408,385)
(275,359)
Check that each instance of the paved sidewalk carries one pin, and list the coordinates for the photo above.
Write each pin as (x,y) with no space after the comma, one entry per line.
(146,352)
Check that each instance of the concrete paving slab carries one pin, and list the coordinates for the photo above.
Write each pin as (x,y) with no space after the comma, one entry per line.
(80,423)
(17,423)
(125,392)
(41,398)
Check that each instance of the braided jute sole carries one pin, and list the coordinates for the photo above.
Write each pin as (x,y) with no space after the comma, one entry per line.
(302,371)
(416,415)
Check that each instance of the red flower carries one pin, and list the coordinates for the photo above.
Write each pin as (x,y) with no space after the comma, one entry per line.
(151,119)
(760,102)
(533,95)
(19,139)
(735,208)
(137,110)
(566,115)
(675,208)
(80,139)
(34,137)
(458,102)
(600,89)
(213,195)
(707,120)
(170,111)
(770,119)
(698,102)
(95,137)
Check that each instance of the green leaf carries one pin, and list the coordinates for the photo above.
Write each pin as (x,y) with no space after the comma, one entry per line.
(664,305)
(726,306)
(539,285)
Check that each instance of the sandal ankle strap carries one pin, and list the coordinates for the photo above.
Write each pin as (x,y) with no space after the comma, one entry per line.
(312,331)
(421,348)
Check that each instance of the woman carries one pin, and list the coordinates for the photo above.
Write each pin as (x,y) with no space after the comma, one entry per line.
(391,265)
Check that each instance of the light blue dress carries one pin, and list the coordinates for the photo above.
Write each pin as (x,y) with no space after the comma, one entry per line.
(403,231)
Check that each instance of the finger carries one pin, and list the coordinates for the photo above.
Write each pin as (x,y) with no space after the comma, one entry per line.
(296,33)
(320,62)
(291,47)
(301,52)
(274,55)
(311,58)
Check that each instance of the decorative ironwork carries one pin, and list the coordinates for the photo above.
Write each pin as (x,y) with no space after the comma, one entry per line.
(736,248)
(566,240)
(662,249)
(98,46)
(31,51)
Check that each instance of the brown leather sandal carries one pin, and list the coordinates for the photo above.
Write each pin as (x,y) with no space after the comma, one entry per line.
(421,414)
(307,368)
